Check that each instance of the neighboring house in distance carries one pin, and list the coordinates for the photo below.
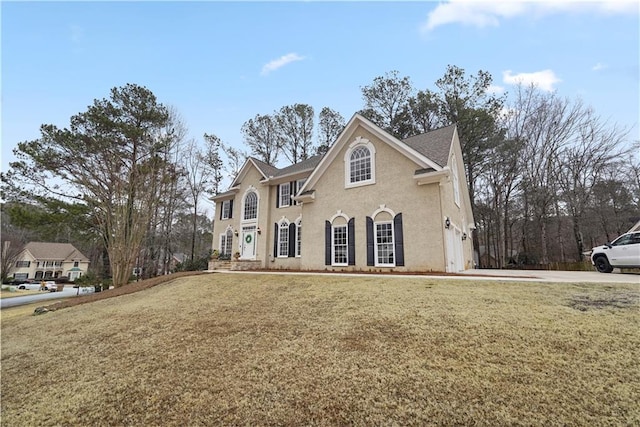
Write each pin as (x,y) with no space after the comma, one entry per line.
(177,258)
(42,260)
(371,203)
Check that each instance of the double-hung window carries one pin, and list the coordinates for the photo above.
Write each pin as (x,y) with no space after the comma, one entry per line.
(285,195)
(299,238)
(384,244)
(226,209)
(339,245)
(283,240)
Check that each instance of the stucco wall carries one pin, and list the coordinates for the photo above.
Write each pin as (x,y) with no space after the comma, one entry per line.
(458,214)
(396,189)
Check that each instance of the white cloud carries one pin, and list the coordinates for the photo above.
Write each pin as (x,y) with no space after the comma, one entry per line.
(544,79)
(483,13)
(495,89)
(280,62)
(599,66)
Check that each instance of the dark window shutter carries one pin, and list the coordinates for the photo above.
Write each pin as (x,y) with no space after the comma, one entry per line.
(327,243)
(351,249)
(292,188)
(276,236)
(370,242)
(231,208)
(278,196)
(221,209)
(292,240)
(399,240)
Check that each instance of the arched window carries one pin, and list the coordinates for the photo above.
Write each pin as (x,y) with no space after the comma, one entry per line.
(299,237)
(226,242)
(283,239)
(360,164)
(385,242)
(250,206)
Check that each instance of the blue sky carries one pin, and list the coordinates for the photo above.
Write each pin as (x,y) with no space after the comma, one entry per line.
(221,63)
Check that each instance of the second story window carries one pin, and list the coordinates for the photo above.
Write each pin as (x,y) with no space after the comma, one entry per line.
(227,207)
(360,163)
(285,195)
(250,206)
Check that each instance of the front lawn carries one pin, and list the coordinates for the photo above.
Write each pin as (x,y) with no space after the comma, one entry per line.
(233,349)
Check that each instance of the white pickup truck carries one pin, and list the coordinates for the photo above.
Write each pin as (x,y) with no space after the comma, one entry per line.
(623,252)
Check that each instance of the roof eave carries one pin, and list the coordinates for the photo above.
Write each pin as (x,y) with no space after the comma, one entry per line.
(308,197)
(432,177)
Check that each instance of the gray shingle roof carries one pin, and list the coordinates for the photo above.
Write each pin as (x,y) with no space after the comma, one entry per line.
(221,196)
(266,168)
(435,144)
(301,166)
(304,165)
(54,251)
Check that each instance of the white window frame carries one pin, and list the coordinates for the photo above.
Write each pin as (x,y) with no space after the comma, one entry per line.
(224,241)
(283,226)
(299,238)
(377,244)
(333,245)
(244,205)
(357,143)
(284,195)
(226,209)
(455,181)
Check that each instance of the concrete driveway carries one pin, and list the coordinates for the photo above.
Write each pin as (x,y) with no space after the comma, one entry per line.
(558,276)
(503,275)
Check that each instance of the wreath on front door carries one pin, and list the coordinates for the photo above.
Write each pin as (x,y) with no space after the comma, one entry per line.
(248,238)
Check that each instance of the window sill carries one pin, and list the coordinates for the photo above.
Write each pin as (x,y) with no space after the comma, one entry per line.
(359,184)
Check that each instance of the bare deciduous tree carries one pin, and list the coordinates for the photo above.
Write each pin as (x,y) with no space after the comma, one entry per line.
(262,136)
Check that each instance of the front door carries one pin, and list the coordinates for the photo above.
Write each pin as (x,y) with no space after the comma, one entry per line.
(248,242)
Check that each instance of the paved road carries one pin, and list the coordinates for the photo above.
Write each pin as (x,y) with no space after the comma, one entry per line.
(67,292)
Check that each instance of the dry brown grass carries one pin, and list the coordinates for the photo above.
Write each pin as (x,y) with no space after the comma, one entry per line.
(308,350)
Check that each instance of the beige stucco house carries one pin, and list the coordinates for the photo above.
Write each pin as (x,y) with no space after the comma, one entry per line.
(371,203)
(44,260)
